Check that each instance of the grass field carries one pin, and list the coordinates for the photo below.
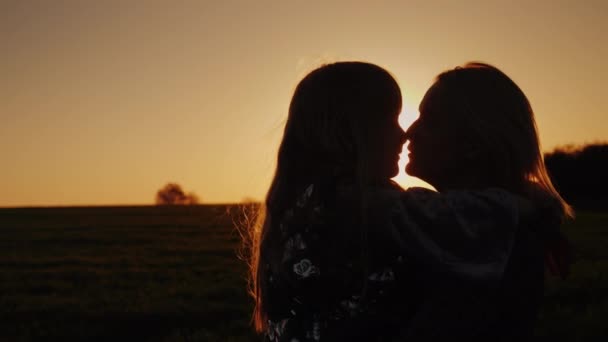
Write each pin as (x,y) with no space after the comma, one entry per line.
(171,274)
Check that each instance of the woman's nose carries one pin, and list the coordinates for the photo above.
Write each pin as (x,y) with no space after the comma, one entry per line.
(409,133)
(402,136)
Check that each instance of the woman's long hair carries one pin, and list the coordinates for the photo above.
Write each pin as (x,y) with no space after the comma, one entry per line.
(501,121)
(324,138)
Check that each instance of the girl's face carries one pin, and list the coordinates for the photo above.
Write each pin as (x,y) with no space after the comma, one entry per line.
(437,141)
(386,139)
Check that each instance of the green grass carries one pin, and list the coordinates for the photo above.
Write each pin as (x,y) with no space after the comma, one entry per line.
(576,309)
(138,273)
(172,274)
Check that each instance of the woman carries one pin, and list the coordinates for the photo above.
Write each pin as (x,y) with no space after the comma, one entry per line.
(477,130)
(338,235)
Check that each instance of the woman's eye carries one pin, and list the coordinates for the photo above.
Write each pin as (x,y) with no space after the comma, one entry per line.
(427,121)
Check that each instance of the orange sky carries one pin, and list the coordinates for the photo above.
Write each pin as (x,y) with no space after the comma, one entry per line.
(103,102)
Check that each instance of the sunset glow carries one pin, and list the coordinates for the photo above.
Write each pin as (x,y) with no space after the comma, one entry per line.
(104,102)
(409,114)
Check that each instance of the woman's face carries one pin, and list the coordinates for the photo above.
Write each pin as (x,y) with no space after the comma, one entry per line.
(436,141)
(386,139)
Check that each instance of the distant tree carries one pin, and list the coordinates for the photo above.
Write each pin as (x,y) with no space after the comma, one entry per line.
(580,173)
(192,198)
(172,194)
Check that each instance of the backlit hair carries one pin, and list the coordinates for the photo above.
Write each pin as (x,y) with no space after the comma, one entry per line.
(325,137)
(501,121)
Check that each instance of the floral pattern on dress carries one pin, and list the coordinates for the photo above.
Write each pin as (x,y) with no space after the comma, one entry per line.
(305,269)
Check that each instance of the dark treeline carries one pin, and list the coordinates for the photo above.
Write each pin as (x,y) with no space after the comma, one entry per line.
(579,174)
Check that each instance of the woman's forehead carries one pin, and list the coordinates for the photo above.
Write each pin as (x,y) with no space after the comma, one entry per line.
(440,106)
(433,99)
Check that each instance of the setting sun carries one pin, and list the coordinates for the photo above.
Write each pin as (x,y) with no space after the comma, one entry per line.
(409,114)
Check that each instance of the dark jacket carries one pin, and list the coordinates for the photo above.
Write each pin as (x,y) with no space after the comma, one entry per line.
(327,284)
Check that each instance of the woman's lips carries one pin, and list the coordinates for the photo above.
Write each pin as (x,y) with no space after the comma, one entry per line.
(410,152)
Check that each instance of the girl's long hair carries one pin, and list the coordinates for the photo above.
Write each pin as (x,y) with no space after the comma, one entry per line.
(324,138)
(499,116)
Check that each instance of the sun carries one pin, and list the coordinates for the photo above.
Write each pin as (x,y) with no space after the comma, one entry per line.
(408,115)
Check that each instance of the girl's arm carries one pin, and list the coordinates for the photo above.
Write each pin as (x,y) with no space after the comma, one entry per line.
(467,233)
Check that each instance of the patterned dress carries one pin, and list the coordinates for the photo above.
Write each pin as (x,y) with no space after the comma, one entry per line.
(328,283)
